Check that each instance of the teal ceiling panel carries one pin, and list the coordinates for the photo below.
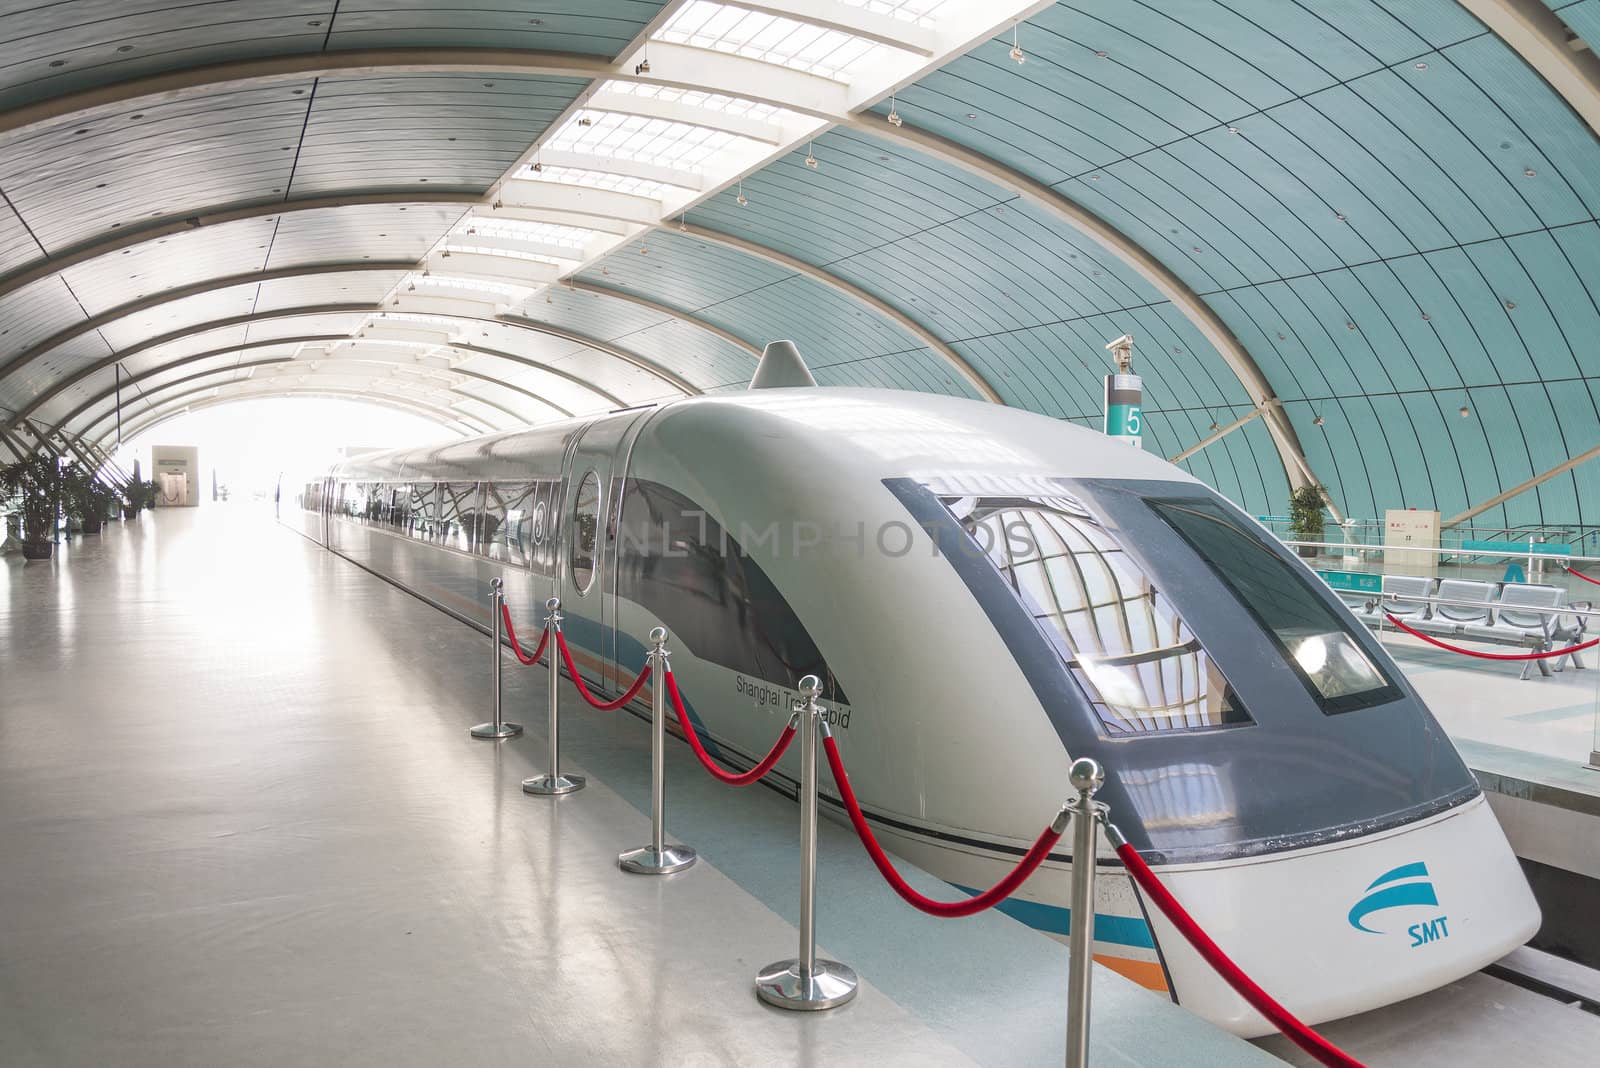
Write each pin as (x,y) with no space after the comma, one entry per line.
(683,271)
(1384,212)
(1583,16)
(1560,263)
(863,193)
(1566,185)
(1021,118)
(697,355)
(1439,22)
(590,27)
(1191,98)
(77,178)
(421,131)
(1433,204)
(828,326)
(1487,169)
(1343,39)
(48,49)
(1183,40)
(1451,85)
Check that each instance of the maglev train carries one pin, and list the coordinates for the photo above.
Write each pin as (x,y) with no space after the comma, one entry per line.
(988,594)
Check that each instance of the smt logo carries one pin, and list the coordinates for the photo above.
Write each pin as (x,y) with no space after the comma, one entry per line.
(1407,885)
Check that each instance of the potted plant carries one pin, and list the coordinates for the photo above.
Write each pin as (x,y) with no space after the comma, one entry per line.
(1306,505)
(88,499)
(137,495)
(36,480)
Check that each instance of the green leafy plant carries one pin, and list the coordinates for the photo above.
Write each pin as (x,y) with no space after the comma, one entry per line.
(87,498)
(139,494)
(1306,513)
(36,481)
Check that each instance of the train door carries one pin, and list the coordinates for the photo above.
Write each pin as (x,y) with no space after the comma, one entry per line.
(586,567)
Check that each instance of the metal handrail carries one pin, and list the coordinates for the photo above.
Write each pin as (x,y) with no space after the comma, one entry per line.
(1588,613)
(1442,551)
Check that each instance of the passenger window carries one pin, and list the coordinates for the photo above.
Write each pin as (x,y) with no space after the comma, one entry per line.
(1123,641)
(424,512)
(507,516)
(1308,633)
(458,514)
(585,531)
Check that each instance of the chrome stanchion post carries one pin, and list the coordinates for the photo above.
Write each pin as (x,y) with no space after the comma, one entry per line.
(807,982)
(658,858)
(555,782)
(1086,776)
(499,728)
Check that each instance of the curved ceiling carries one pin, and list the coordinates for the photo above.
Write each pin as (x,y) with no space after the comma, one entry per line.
(1336,226)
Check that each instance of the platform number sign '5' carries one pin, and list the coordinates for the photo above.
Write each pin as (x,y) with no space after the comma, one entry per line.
(1407,886)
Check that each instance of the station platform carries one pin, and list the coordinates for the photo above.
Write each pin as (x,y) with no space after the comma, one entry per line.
(243,822)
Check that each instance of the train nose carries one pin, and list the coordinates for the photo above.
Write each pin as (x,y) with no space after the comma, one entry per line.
(1345,928)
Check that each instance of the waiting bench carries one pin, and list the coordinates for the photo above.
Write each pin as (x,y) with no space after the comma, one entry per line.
(1499,613)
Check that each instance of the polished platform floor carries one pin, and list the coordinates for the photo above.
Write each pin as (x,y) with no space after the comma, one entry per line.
(242,823)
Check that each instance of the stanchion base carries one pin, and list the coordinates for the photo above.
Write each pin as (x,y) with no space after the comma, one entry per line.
(829,984)
(553,784)
(646,861)
(489,730)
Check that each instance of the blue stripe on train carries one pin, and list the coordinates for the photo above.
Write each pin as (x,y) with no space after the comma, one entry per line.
(1054,919)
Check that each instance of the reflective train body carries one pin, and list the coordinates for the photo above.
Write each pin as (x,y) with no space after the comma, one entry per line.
(988,594)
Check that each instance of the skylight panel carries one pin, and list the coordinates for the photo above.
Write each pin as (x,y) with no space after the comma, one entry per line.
(771,39)
(573,237)
(481,285)
(920,12)
(729,105)
(463,243)
(660,142)
(596,179)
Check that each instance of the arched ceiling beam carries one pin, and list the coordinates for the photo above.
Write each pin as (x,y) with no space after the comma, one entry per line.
(93,249)
(179,335)
(330,366)
(664,309)
(306,339)
(1538,35)
(444,418)
(100,398)
(606,348)
(198,289)
(477,423)
(679,66)
(1189,303)
(957,362)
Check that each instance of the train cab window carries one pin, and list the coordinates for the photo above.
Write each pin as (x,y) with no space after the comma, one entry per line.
(585,531)
(1310,635)
(1122,640)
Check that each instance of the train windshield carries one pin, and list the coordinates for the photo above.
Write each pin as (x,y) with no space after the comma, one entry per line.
(1123,641)
(1330,662)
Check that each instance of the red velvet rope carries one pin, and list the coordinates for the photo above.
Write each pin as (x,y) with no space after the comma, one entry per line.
(965,907)
(729,777)
(1580,574)
(1546,655)
(577,680)
(511,632)
(1281,1018)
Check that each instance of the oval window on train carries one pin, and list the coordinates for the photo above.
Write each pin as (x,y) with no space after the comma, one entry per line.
(585,531)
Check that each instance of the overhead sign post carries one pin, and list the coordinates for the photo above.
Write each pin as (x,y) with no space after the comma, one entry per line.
(1124,407)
